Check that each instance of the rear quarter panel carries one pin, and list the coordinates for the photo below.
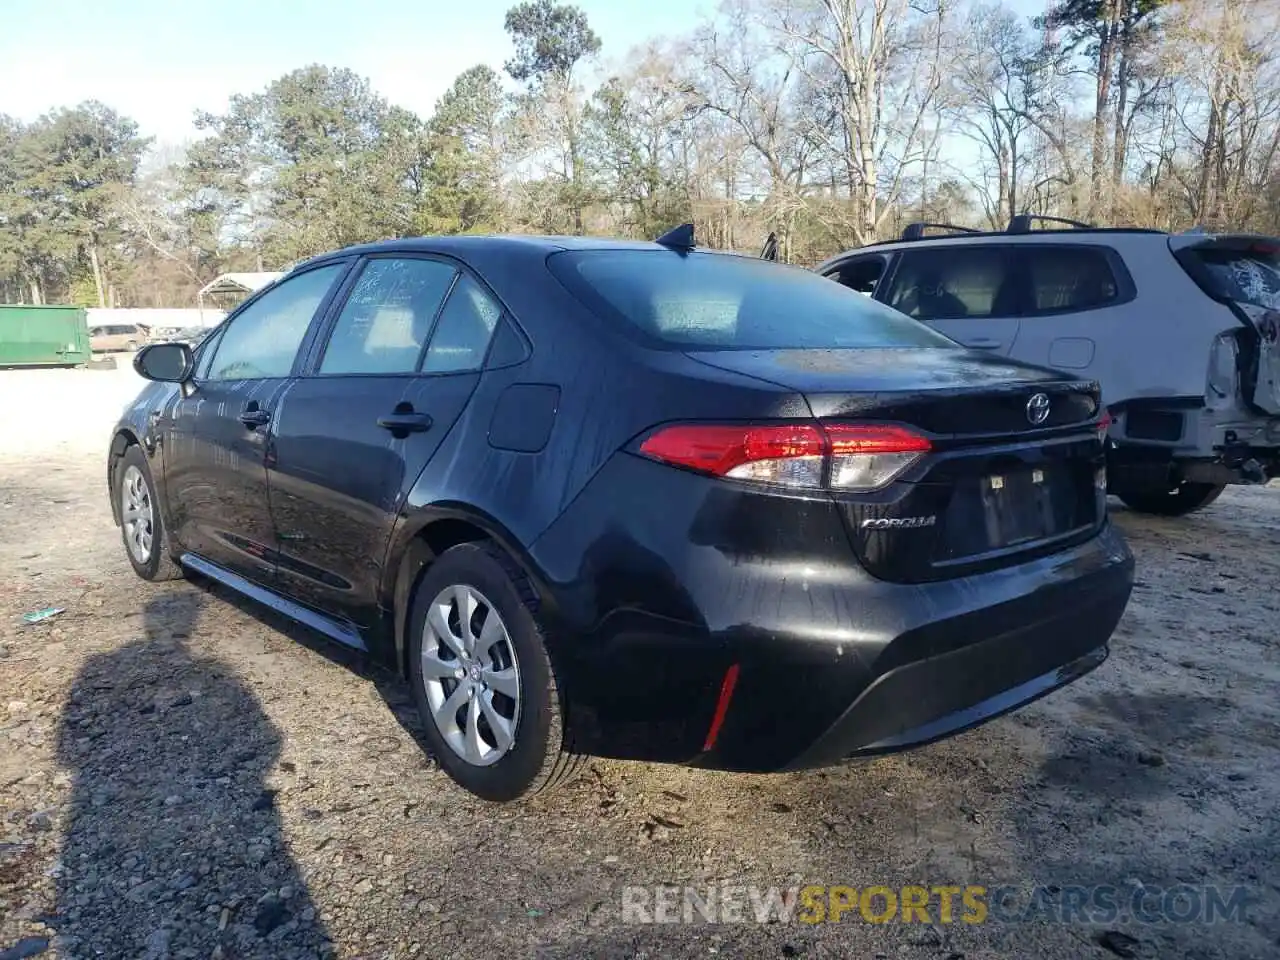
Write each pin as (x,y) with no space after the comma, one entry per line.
(1158,345)
(609,391)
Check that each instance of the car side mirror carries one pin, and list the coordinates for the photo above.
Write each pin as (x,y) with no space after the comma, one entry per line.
(165,362)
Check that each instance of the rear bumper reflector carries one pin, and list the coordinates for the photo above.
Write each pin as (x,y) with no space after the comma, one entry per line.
(722,706)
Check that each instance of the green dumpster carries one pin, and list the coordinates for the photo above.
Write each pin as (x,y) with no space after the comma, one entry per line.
(53,336)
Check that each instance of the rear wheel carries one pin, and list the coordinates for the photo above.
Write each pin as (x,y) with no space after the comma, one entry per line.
(1181,499)
(141,525)
(132,346)
(491,705)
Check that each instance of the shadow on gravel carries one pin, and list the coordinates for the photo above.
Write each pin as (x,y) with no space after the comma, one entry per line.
(173,845)
(393,690)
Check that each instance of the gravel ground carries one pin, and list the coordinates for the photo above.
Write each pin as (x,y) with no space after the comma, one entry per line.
(183,775)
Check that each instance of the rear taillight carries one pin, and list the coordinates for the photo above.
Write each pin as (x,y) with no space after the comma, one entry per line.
(848,456)
(1224,374)
(1104,424)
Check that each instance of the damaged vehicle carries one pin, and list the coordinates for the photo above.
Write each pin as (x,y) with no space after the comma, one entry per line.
(631,500)
(1180,331)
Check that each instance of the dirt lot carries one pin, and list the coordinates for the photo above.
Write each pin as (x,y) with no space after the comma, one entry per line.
(183,776)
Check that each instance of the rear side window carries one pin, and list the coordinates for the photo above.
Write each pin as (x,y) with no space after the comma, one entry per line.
(462,334)
(716,301)
(1244,275)
(387,317)
(951,283)
(1069,278)
(860,274)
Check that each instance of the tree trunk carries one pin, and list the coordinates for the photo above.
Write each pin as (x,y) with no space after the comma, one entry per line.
(97,274)
(1106,60)
(1015,171)
(1208,162)
(36,299)
(1120,131)
(867,197)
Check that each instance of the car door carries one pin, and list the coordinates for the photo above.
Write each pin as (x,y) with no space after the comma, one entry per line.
(399,363)
(1075,295)
(969,293)
(219,431)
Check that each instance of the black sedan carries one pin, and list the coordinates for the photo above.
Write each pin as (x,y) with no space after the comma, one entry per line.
(633,500)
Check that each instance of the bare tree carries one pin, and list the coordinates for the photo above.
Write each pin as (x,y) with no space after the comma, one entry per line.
(887,59)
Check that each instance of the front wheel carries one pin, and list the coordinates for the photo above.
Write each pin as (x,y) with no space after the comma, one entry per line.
(141,525)
(491,705)
(1181,499)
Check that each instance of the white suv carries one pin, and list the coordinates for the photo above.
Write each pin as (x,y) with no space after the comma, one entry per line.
(1180,330)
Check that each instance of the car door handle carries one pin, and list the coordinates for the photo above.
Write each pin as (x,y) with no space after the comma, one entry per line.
(405,422)
(984,343)
(255,418)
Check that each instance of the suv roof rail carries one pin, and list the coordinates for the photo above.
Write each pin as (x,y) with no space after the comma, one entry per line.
(1023,221)
(915,231)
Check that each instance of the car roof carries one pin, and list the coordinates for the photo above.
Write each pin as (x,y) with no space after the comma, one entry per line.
(467,246)
(1091,235)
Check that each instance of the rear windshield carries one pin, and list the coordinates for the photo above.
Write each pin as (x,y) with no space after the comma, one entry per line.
(719,302)
(1245,275)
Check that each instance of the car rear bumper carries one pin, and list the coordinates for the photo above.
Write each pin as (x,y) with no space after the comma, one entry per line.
(952,668)
(928,661)
(700,601)
(934,698)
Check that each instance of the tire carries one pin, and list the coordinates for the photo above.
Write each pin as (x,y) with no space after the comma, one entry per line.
(131,346)
(534,756)
(149,552)
(1185,498)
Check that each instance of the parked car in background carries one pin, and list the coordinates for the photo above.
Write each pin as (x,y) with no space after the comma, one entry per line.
(1179,330)
(633,500)
(188,335)
(116,337)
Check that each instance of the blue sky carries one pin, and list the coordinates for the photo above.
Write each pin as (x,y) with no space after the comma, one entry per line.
(160,60)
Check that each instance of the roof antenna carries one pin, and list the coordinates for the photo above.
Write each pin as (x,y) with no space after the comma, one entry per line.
(679,238)
(770,251)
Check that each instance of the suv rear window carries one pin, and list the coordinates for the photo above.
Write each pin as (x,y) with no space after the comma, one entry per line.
(718,301)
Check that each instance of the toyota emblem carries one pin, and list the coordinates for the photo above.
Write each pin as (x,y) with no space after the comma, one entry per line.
(1038,408)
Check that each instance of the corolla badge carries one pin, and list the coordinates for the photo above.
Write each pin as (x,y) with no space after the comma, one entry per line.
(898,523)
(1038,408)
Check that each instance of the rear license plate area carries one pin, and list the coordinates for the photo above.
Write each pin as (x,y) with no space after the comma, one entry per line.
(1022,505)
(1018,507)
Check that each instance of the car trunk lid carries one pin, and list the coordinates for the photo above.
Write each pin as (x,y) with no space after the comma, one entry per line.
(1243,272)
(1016,466)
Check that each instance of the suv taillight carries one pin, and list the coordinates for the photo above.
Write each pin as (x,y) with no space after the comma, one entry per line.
(850,456)
(1224,371)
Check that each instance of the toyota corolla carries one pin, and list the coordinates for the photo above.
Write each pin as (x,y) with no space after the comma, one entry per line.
(633,500)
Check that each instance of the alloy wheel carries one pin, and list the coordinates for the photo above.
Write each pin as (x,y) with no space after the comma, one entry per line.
(137,514)
(471,676)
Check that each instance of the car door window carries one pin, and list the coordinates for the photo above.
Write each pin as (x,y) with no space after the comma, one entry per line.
(388,316)
(462,334)
(954,283)
(204,352)
(860,274)
(1069,278)
(262,341)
